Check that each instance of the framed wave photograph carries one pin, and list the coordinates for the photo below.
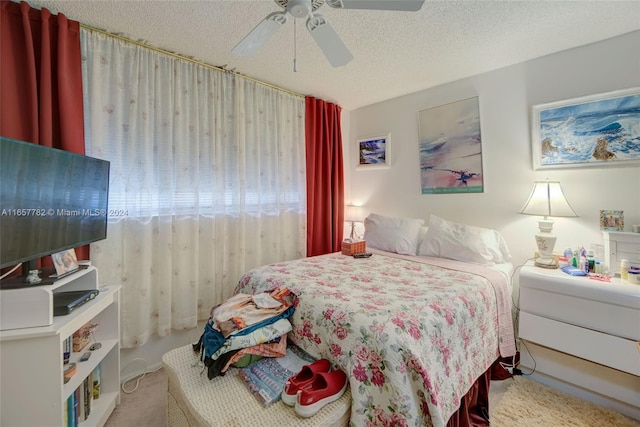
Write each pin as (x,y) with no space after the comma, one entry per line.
(592,131)
(373,153)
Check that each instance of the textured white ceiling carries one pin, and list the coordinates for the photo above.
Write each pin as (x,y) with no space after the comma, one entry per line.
(395,53)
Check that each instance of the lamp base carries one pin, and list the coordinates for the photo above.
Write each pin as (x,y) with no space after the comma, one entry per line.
(545,265)
(546,242)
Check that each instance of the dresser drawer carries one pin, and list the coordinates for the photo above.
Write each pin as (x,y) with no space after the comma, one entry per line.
(612,308)
(613,319)
(618,353)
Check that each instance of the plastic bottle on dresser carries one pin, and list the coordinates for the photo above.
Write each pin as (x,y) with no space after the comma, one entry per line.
(568,254)
(624,269)
(634,276)
(591,260)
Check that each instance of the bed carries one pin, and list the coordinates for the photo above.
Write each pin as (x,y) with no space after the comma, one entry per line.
(414,332)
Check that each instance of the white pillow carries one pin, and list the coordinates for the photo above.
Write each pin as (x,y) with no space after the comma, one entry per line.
(399,235)
(423,231)
(462,242)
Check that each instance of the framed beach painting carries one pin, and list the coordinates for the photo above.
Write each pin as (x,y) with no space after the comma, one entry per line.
(373,153)
(451,148)
(597,130)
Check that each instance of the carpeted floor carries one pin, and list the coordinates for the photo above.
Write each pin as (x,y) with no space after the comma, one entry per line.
(514,403)
(144,407)
(527,403)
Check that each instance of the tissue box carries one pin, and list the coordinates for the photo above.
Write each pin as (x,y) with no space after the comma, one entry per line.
(350,248)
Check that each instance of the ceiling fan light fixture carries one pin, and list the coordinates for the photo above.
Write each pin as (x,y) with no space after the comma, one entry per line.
(299,8)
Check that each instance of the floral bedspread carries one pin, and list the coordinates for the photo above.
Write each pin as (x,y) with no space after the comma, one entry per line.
(411,336)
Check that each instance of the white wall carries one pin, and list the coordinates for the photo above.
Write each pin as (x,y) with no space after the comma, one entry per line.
(506,97)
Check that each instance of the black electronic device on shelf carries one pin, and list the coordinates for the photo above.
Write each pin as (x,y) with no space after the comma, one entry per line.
(65,302)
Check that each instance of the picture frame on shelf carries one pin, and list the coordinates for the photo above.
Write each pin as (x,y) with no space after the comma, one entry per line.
(611,220)
(373,152)
(65,262)
(591,131)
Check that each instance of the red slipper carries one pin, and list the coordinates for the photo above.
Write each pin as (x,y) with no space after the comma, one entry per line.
(325,388)
(301,379)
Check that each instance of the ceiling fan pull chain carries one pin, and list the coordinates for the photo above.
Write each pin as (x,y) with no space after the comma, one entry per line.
(295,46)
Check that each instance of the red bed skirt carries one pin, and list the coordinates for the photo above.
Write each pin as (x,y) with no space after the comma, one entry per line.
(474,406)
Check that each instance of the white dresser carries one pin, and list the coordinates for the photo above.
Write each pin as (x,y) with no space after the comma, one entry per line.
(582,336)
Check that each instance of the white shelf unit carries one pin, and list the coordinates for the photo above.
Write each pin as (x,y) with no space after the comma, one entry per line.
(32,389)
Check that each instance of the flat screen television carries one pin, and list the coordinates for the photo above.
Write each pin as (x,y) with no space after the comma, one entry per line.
(50,200)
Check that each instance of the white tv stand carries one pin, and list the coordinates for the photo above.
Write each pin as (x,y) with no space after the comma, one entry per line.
(33,305)
(32,390)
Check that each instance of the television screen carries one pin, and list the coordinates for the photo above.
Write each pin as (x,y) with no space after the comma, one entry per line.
(50,200)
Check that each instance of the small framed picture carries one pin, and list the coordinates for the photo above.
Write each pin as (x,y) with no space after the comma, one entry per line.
(611,220)
(373,153)
(65,262)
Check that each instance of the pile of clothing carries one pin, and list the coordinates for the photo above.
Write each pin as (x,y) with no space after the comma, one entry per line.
(245,328)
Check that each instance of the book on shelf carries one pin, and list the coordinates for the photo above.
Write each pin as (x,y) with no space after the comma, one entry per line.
(69,411)
(81,403)
(96,382)
(85,396)
(66,350)
(74,415)
(87,386)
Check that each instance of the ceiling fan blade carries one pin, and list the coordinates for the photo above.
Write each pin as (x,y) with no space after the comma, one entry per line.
(259,36)
(402,5)
(328,40)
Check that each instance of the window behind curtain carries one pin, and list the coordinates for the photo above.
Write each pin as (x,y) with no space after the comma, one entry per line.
(207,180)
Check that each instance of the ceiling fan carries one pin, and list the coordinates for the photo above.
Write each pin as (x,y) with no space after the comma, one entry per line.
(321,31)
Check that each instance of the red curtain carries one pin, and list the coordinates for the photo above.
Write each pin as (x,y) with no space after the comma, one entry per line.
(41,80)
(325,177)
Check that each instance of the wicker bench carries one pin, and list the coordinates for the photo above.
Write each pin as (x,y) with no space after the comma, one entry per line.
(194,400)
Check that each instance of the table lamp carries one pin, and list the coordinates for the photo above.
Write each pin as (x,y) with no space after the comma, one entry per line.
(547,200)
(353,214)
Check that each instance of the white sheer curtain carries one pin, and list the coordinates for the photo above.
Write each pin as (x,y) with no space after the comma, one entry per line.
(207,180)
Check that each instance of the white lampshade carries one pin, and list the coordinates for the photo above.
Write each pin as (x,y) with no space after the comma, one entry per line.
(547,200)
(353,214)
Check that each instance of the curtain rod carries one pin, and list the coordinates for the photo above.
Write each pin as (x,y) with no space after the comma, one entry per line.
(186,58)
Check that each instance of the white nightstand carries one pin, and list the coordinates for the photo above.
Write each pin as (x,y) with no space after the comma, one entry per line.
(583,336)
